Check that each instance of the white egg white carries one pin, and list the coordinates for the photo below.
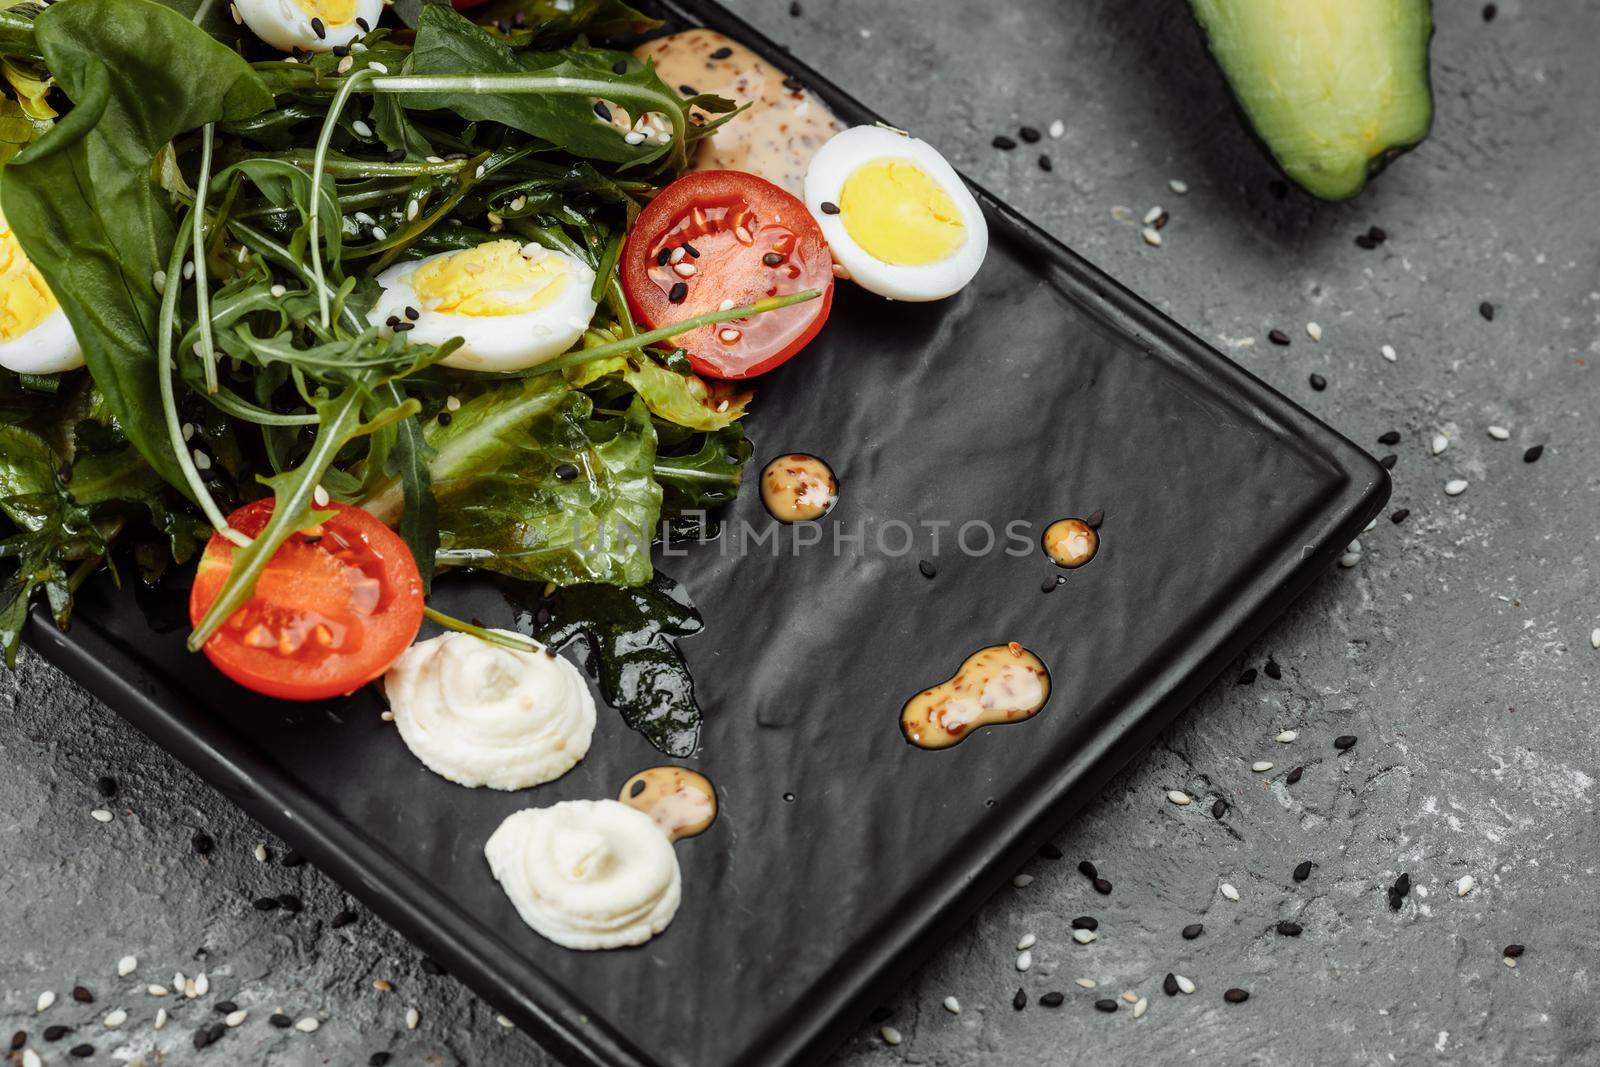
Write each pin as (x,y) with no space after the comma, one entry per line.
(48,348)
(285,24)
(493,342)
(842,156)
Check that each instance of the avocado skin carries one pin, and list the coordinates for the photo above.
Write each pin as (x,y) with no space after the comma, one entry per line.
(1330,148)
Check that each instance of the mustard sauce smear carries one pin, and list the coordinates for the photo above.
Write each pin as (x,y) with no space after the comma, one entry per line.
(999,684)
(683,803)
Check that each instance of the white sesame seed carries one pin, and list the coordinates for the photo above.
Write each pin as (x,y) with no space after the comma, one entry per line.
(1152,236)
(308,1025)
(1028,941)
(1499,433)
(1153,214)
(115,1019)
(685,270)
(260,853)
(1228,891)
(729,336)
(357,47)
(378,67)
(1354,546)
(1465,885)
(1141,1006)
(890,1035)
(1439,443)
(100,815)
(1024,959)
(278,291)
(386,715)
(533,251)
(676,255)
(481,171)
(382,985)
(188,270)
(1509,962)
(665,136)
(413,1017)
(127,965)
(413,208)
(1261,765)
(1314,331)
(47,998)
(31,1058)
(503,1021)
(726,305)
(1058,129)
(1022,881)
(453,404)
(379,233)
(159,280)
(1389,353)
(1083,937)
(1594,638)
(363,218)
(952,1005)
(722,405)
(345,64)
(179,982)
(201,460)
(434,159)
(1178,797)
(1184,984)
(161,1018)
(1130,996)
(319,496)
(361,128)
(634,137)
(1286,736)
(157,990)
(202,984)
(1349,559)
(1369,527)
(1455,487)
(234,1018)
(1086,983)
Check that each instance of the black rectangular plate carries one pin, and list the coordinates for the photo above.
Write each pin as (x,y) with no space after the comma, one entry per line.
(1043,390)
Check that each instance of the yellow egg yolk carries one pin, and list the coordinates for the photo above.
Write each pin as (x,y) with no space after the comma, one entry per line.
(494,278)
(896,212)
(331,12)
(25,299)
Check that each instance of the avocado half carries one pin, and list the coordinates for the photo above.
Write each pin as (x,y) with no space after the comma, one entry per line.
(1334,89)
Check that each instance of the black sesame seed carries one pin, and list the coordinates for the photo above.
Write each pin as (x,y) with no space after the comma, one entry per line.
(1400,515)
(1102,887)
(1278,337)
(412,313)
(1378,234)
(620,67)
(722,53)
(1532,455)
(1049,851)
(392,321)
(366,27)
(1219,809)
(430,967)
(1274,671)
(397,156)
(1389,461)
(1004,143)
(1029,134)
(928,569)
(1045,164)
(404,327)
(1108,1005)
(663,257)
(377,1059)
(280,1021)
(795,11)
(1193,930)
(445,418)
(793,84)
(1318,382)
(265,903)
(57,1032)
(290,903)
(1400,890)
(1236,996)
(1344,741)
(688,90)
(690,250)
(201,842)
(319,29)
(1365,241)
(1052,999)
(1302,870)
(1390,437)
(1486,309)
(601,110)
(1019,1001)
(20,1038)
(1095,518)
(1514,951)
(1289,929)
(202,1038)
(566,472)
(1294,776)
(81,1052)
(773,259)
(1489,12)
(340,50)
(1169,984)
(107,786)
(678,293)
(343,918)
(226,1007)
(1248,677)
(82,995)
(1047,586)
(828,207)
(1088,870)
(292,859)
(1086,922)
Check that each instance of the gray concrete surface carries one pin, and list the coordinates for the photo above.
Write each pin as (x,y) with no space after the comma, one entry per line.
(1457,649)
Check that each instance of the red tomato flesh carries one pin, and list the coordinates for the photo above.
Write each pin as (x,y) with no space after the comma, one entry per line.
(335,607)
(721,235)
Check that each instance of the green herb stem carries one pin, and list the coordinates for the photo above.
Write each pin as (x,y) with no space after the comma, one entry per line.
(202,291)
(515,642)
(324,140)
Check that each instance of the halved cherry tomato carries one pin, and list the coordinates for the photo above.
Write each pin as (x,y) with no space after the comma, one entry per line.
(334,608)
(716,236)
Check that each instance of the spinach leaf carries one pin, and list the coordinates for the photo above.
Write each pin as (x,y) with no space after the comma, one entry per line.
(81,200)
(708,477)
(407,460)
(631,636)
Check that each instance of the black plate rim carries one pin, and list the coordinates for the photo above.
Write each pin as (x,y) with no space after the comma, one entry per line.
(1358,489)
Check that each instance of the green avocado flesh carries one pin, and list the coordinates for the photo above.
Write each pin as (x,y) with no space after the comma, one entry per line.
(1334,88)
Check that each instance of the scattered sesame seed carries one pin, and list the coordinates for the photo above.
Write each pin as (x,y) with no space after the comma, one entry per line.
(361,128)
(1151,236)
(344,64)
(234,1018)
(1086,922)
(1594,638)
(1465,885)
(413,208)
(47,998)
(1027,942)
(1486,309)
(1236,996)
(1314,331)
(890,1035)
(1019,1000)
(161,1018)
(1084,937)
(1455,487)
(279,1020)
(159,281)
(260,853)
(157,990)
(1247,676)
(1106,1006)
(413,1017)
(1278,337)
(1141,1006)
(1179,797)
(1293,777)
(202,985)
(1509,961)
(1532,455)
(308,1025)
(685,269)
(1261,765)
(1102,887)
(1302,870)
(827,207)
(1318,382)
(1499,433)
(1193,930)
(1045,163)
(1439,443)
(81,1052)
(1389,437)
(115,1019)
(1153,214)
(100,815)
(1169,984)
(1513,951)
(319,496)
(127,965)
(952,1005)
(1389,461)
(678,292)
(1004,143)
(31,1058)
(1286,736)
(1344,741)
(1022,881)
(278,290)
(1289,929)
(633,137)
(1388,353)
(1219,808)
(1086,983)
(505,1022)
(377,68)
(1229,891)
(1058,129)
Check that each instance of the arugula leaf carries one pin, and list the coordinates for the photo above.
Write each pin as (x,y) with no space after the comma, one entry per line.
(686,400)
(81,201)
(407,460)
(708,477)
(548,22)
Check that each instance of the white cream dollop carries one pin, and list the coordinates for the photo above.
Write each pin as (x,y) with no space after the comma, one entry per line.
(480,714)
(587,874)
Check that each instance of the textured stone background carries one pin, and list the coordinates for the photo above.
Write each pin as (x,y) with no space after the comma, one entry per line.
(1458,649)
